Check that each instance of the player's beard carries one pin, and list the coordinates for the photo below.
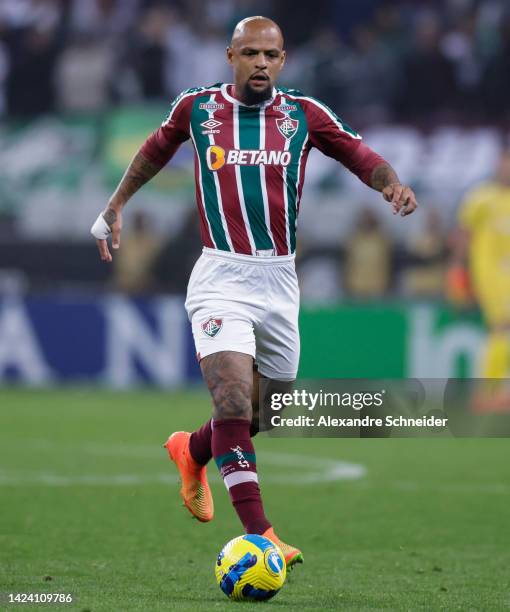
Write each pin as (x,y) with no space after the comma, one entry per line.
(251,97)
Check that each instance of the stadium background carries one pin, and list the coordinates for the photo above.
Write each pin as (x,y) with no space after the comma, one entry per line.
(83,83)
(97,365)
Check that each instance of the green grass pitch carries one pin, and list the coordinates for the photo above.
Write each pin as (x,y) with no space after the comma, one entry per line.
(89,498)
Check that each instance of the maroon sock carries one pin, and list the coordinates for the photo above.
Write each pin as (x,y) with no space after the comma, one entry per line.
(234,454)
(200,444)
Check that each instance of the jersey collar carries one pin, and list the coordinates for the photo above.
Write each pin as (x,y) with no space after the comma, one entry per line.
(227,96)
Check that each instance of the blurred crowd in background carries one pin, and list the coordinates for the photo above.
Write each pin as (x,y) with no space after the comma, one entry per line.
(374,59)
(377,63)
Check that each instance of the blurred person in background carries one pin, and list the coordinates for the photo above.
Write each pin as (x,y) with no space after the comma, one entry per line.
(84,75)
(367,269)
(103,18)
(147,52)
(425,256)
(4,69)
(181,48)
(89,71)
(483,245)
(370,76)
(460,46)
(390,29)
(133,268)
(345,20)
(319,64)
(179,255)
(210,41)
(187,66)
(32,41)
(496,81)
(428,87)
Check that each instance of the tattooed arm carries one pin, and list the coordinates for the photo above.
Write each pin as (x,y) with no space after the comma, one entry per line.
(157,150)
(139,172)
(401,197)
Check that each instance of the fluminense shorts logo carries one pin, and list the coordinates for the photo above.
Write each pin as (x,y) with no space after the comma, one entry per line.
(212,326)
(217,157)
(287,126)
(211,106)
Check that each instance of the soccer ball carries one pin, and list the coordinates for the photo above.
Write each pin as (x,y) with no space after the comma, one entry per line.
(250,568)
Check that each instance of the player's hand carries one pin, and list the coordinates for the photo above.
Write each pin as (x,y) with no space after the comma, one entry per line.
(108,222)
(401,198)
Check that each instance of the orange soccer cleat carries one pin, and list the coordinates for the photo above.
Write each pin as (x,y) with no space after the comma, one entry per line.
(291,554)
(195,490)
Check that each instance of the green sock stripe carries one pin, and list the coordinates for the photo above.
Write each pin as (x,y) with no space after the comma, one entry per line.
(229,457)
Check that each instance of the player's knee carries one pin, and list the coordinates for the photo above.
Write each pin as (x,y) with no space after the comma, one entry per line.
(232,400)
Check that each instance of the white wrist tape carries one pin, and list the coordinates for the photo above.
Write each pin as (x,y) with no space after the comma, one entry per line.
(100,229)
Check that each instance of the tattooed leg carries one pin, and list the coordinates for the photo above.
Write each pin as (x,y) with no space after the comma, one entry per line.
(229,376)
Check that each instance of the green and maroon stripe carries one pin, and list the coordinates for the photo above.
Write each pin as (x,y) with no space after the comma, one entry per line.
(251,179)
(274,184)
(296,146)
(282,182)
(231,195)
(205,180)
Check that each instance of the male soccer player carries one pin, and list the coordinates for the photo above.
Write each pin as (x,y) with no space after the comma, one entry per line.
(251,143)
(483,243)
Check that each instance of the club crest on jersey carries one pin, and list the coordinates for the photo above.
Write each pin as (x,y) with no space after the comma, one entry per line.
(287,126)
(212,326)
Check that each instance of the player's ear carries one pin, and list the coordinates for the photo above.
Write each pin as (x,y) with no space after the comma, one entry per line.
(230,55)
(284,57)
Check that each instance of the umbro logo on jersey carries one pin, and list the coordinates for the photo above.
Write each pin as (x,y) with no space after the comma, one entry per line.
(287,126)
(210,126)
(212,326)
(217,157)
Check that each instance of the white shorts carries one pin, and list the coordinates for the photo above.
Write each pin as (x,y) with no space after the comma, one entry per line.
(247,304)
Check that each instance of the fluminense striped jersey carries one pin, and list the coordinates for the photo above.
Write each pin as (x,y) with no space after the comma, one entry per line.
(250,161)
